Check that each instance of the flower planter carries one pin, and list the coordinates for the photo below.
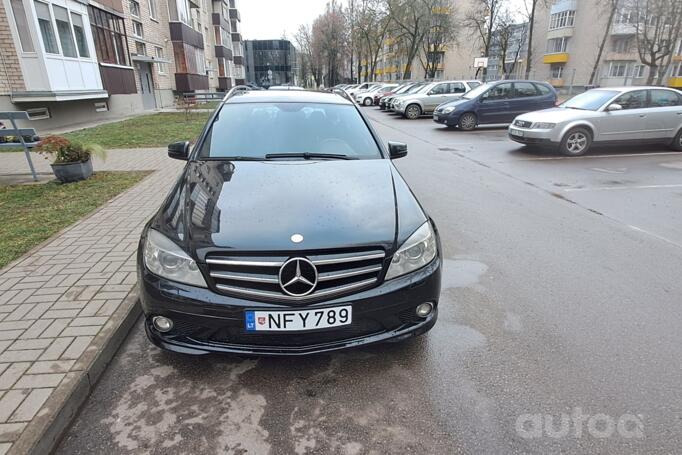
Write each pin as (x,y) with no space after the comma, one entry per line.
(72,172)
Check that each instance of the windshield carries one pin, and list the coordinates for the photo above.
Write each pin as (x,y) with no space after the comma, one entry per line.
(475,92)
(254,130)
(591,100)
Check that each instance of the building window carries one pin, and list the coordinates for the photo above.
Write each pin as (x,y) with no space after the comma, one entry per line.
(134,8)
(179,11)
(626,17)
(189,59)
(618,69)
(61,17)
(622,45)
(638,71)
(138,30)
(561,20)
(160,65)
(677,70)
(140,48)
(557,71)
(79,32)
(21,22)
(557,45)
(46,30)
(111,42)
(152,9)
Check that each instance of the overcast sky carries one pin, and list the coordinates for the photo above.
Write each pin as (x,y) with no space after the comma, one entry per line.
(269,19)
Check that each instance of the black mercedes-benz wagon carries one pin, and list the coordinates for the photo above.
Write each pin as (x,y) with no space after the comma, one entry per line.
(289,232)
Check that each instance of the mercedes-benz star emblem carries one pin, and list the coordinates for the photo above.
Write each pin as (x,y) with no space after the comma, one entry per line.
(298,277)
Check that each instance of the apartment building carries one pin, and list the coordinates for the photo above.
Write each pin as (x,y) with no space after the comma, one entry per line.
(72,61)
(568,34)
(271,62)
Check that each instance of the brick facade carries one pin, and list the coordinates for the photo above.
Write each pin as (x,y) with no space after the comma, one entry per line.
(11,78)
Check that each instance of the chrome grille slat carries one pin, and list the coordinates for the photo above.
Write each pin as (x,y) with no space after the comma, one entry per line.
(253,279)
(337,276)
(274,295)
(252,276)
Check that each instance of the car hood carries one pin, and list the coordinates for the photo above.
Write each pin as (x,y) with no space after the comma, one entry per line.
(457,102)
(258,206)
(557,115)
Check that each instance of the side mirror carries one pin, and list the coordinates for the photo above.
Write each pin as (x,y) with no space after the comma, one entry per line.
(179,150)
(397,150)
(614,107)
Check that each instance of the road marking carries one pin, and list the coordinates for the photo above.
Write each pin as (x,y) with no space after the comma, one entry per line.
(644,231)
(547,158)
(634,187)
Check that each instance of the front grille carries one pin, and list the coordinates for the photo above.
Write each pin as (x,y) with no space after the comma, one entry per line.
(523,123)
(257,277)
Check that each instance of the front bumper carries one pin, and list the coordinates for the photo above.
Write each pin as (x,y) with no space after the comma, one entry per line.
(450,119)
(531,136)
(205,321)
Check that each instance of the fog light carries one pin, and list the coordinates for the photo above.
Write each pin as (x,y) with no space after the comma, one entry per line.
(424,309)
(162,324)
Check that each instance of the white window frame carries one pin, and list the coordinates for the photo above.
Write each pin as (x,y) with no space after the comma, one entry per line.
(618,64)
(153,10)
(563,47)
(563,19)
(559,74)
(139,8)
(638,71)
(135,34)
(160,65)
(27,33)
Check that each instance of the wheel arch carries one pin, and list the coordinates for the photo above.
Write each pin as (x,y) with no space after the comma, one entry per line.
(579,124)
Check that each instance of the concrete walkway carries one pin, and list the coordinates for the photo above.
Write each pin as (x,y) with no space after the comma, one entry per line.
(65,306)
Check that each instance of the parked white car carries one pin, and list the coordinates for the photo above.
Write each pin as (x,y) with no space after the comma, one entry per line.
(360,88)
(605,116)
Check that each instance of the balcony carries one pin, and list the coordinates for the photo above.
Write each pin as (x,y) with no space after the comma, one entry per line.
(238,60)
(675,82)
(556,83)
(622,56)
(561,57)
(563,5)
(236,37)
(186,34)
(190,82)
(623,29)
(224,83)
(218,19)
(677,58)
(223,52)
(234,14)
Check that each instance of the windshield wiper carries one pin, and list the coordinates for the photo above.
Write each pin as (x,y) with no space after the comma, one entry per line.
(308,156)
(234,158)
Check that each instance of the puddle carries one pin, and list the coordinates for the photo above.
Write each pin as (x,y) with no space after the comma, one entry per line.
(462,273)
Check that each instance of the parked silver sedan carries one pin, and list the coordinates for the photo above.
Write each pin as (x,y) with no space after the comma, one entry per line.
(427,100)
(605,116)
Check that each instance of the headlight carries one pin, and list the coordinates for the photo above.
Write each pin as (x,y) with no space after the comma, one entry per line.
(543,126)
(164,258)
(415,253)
(449,109)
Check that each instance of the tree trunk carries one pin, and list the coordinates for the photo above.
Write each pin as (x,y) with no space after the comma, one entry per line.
(607,33)
(531,26)
(652,74)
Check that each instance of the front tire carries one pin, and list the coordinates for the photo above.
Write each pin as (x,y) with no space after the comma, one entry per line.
(677,142)
(576,142)
(468,121)
(413,111)
(367,101)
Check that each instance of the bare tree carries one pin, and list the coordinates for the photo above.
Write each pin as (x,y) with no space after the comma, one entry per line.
(441,32)
(310,55)
(612,8)
(329,35)
(372,21)
(531,7)
(482,20)
(658,25)
(412,19)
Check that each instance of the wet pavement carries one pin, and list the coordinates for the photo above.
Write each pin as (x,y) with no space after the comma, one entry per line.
(559,327)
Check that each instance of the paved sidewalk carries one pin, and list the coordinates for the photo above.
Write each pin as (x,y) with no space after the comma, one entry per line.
(62,302)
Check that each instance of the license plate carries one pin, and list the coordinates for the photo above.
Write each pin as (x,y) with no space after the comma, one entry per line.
(435,117)
(515,132)
(285,321)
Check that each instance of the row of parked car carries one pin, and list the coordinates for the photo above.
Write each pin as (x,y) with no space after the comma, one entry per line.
(531,109)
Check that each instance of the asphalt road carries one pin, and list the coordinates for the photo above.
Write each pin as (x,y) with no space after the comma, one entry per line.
(559,330)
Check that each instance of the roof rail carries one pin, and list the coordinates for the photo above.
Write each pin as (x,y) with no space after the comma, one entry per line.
(237,89)
(342,93)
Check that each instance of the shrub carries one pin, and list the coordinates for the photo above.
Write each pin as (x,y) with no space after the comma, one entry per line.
(64,151)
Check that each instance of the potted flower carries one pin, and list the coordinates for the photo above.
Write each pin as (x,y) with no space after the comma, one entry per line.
(72,160)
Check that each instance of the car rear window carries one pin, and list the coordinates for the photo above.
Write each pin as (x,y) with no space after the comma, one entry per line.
(257,129)
(544,90)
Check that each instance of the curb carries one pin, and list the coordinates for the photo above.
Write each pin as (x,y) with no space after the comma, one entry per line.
(42,435)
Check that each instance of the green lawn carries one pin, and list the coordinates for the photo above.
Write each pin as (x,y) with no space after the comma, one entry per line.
(155,130)
(31,214)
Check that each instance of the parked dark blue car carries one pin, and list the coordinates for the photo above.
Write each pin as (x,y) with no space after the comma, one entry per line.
(496,102)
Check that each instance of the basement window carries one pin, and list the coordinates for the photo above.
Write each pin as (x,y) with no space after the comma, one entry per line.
(38,113)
